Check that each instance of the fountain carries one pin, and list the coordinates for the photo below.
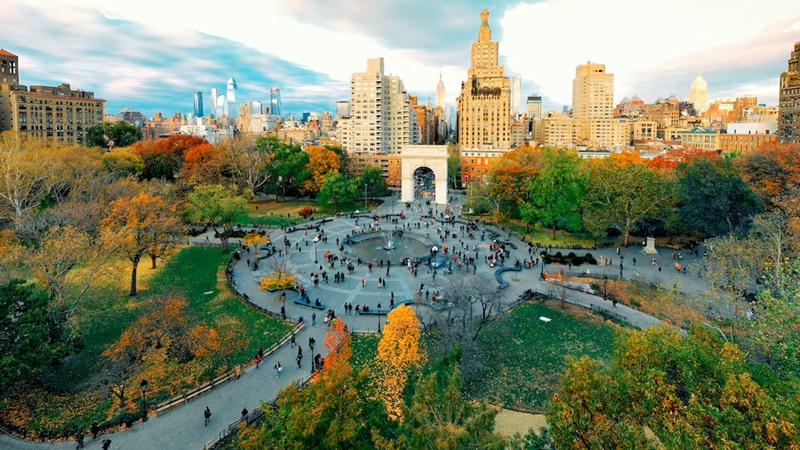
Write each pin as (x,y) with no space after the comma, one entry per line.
(395,245)
(389,239)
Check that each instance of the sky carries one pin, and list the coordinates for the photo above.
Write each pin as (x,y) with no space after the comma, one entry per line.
(150,56)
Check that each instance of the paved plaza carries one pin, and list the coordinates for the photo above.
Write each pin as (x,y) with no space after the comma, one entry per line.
(182,427)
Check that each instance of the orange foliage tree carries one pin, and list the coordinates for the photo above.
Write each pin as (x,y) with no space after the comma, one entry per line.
(164,322)
(772,170)
(203,164)
(143,224)
(399,352)
(163,158)
(218,344)
(321,161)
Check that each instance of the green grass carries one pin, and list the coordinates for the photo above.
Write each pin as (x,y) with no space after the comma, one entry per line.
(271,213)
(523,356)
(545,236)
(193,272)
(365,347)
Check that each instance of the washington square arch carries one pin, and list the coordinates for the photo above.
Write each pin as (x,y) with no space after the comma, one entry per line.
(418,162)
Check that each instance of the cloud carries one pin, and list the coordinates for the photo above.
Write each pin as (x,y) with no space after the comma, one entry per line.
(152,54)
(640,44)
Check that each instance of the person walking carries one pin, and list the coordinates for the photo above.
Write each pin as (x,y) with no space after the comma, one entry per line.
(106,444)
(278,369)
(311,342)
(313,319)
(95,429)
(206,415)
(292,340)
(79,439)
(244,412)
(634,260)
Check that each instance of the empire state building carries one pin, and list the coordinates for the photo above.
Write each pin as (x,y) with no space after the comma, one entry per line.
(484,102)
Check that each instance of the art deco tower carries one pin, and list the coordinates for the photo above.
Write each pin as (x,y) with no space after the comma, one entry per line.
(789,101)
(440,93)
(698,96)
(485,100)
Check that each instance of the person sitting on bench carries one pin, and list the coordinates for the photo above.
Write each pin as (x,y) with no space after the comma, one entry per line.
(358,309)
(308,300)
(365,308)
(317,303)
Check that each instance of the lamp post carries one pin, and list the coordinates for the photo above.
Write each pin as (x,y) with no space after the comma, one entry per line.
(541,275)
(143,387)
(316,241)
(605,287)
(379,317)
(365,196)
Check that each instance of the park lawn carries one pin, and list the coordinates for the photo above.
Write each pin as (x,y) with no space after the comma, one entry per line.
(365,347)
(272,213)
(544,236)
(199,273)
(71,400)
(523,357)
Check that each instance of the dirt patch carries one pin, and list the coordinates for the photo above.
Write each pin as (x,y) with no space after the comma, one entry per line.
(510,422)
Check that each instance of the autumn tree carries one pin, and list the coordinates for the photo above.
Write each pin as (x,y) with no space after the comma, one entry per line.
(399,352)
(25,168)
(204,164)
(336,190)
(110,135)
(772,170)
(622,196)
(123,162)
(693,392)
(141,225)
(556,193)
(218,206)
(60,252)
(162,322)
(217,344)
(163,158)
(321,162)
(510,177)
(437,416)
(340,409)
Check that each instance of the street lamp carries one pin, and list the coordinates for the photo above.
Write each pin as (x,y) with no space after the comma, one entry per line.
(379,317)
(316,241)
(541,275)
(143,387)
(365,196)
(605,287)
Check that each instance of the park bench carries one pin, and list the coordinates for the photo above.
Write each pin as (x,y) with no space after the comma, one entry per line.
(310,304)
(499,272)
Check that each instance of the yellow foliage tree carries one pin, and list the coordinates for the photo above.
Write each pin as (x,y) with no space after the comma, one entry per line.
(398,353)
(321,161)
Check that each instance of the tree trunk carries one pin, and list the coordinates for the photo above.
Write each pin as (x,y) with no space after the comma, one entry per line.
(135,262)
(554,232)
(224,241)
(153,259)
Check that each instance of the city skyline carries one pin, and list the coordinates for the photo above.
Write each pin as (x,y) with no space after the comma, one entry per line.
(147,61)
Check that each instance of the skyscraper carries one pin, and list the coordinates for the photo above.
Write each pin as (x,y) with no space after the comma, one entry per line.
(592,98)
(440,93)
(231,97)
(789,101)
(275,101)
(198,104)
(342,109)
(698,95)
(533,106)
(222,106)
(381,118)
(483,118)
(516,92)
(214,96)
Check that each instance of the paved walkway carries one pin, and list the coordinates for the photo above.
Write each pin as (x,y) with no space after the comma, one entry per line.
(182,427)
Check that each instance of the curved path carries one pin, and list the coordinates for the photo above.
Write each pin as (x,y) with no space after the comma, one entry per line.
(182,427)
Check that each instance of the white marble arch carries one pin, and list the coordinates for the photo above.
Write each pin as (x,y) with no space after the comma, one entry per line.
(433,157)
